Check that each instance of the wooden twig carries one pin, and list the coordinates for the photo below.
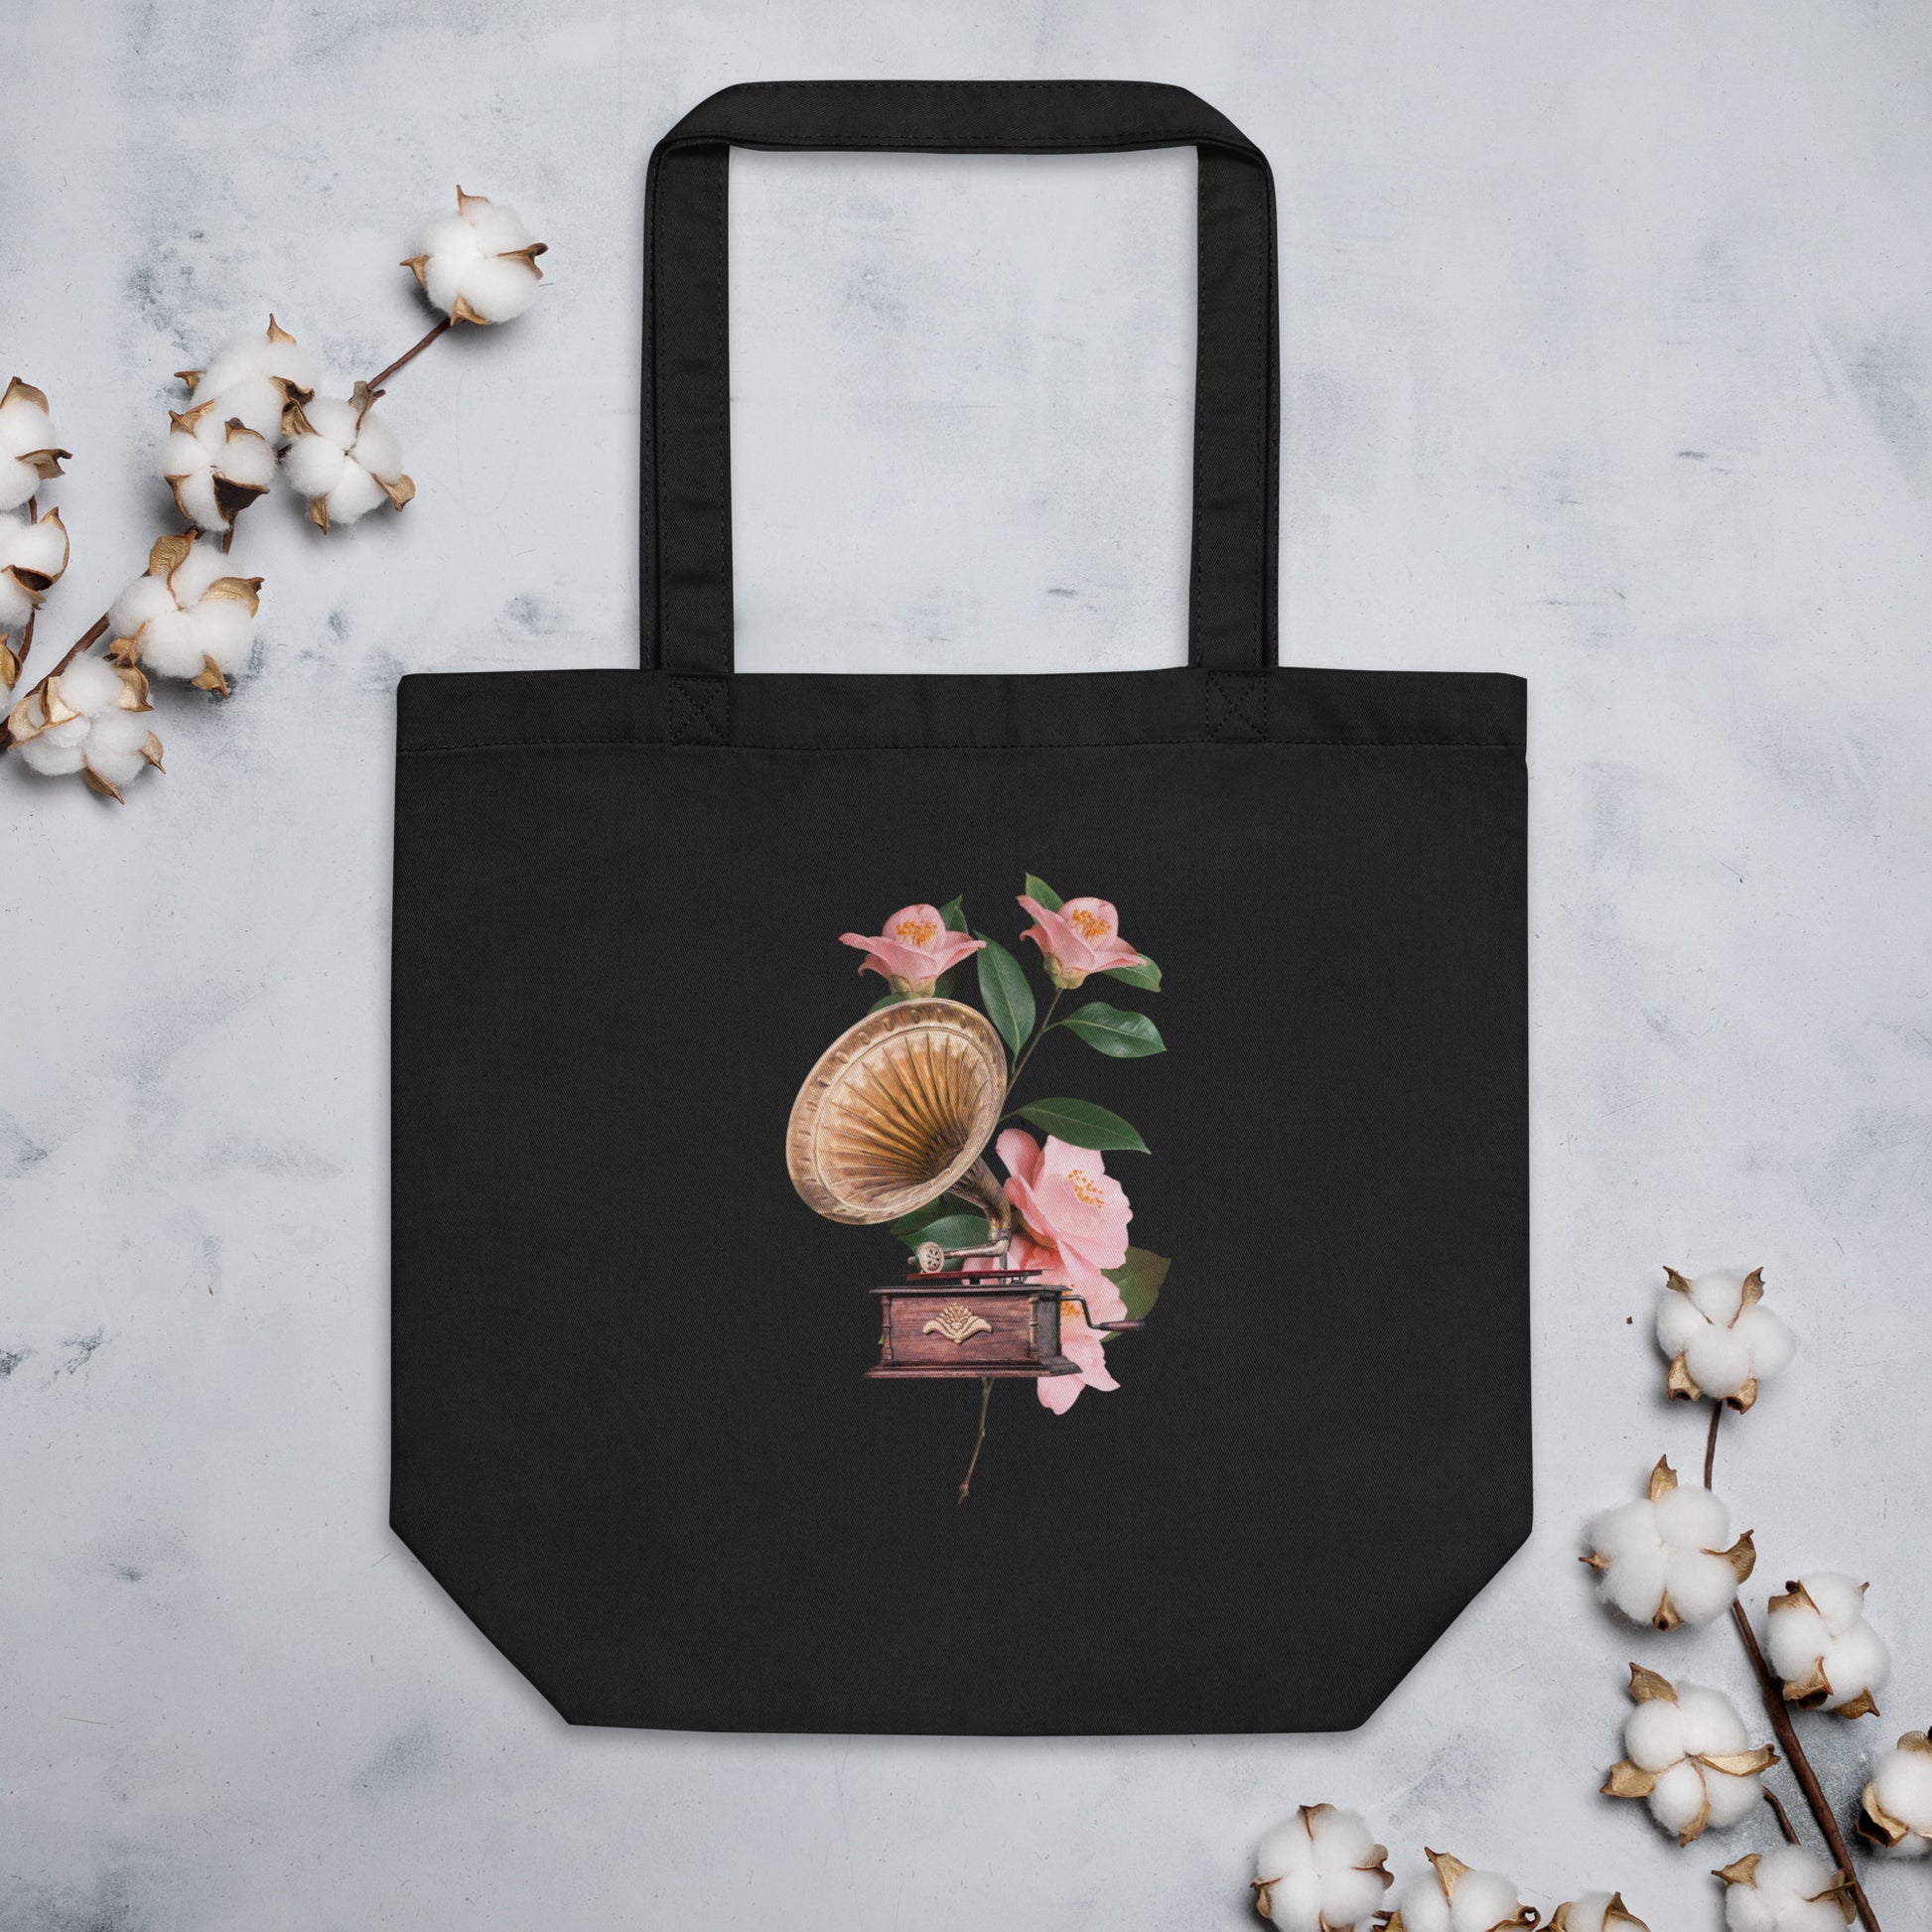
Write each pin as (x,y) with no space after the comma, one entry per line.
(1771,1692)
(979,1441)
(409,354)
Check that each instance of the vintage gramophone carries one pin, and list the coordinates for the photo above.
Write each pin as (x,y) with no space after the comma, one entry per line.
(898,1113)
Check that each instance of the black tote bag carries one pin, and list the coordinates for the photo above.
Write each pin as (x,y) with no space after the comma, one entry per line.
(725,1238)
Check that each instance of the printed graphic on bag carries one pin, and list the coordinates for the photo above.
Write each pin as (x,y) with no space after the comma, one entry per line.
(1024,1275)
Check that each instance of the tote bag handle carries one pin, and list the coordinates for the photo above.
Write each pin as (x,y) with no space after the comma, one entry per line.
(685,536)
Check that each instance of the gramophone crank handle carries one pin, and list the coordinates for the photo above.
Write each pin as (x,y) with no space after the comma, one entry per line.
(1103,1328)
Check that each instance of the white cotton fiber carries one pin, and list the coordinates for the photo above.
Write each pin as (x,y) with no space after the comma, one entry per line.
(1719,1360)
(344,462)
(1313,1866)
(314,464)
(1425,1909)
(377,447)
(1828,1639)
(24,430)
(40,546)
(1784,1893)
(1902,1785)
(91,684)
(1692,1519)
(1482,1900)
(1725,1346)
(476,258)
(53,756)
(1678,1800)
(355,495)
(1654,1735)
(1702,1586)
(251,377)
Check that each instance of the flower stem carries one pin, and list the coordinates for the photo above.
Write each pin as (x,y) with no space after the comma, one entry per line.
(1772,1695)
(410,355)
(1027,1051)
(979,1441)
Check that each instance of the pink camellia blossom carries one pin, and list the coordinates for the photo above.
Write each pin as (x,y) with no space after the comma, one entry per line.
(913,950)
(1082,937)
(1072,1223)
(1081,1343)
(1068,1203)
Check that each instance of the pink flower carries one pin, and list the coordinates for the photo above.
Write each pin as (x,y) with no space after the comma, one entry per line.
(1084,1345)
(1073,1223)
(913,950)
(1071,1205)
(1082,937)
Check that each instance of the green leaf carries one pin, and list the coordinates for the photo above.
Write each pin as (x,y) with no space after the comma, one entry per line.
(886,1000)
(1146,975)
(1008,999)
(953,915)
(1121,1036)
(907,1226)
(1139,1279)
(945,987)
(950,1231)
(1039,890)
(1079,1123)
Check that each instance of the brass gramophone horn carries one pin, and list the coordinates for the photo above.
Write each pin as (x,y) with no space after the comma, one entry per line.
(897,1112)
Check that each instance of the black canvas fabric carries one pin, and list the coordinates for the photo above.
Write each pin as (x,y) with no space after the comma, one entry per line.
(633,1436)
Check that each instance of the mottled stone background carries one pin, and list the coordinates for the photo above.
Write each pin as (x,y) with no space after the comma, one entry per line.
(1606,358)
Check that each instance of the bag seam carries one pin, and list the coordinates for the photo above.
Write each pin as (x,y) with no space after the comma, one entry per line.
(928,745)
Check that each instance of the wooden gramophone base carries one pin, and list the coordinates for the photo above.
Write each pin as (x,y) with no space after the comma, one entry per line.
(954,1326)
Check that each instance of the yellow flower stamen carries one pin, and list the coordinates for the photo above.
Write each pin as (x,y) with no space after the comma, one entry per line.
(1089,925)
(916,932)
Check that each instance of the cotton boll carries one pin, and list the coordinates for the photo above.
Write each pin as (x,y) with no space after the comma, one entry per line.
(480,264)
(88,717)
(1688,1754)
(215,467)
(1896,1811)
(1721,1341)
(255,377)
(33,557)
(1821,1645)
(345,460)
(1787,1891)
(29,448)
(1320,1870)
(1454,1898)
(1660,1559)
(186,617)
